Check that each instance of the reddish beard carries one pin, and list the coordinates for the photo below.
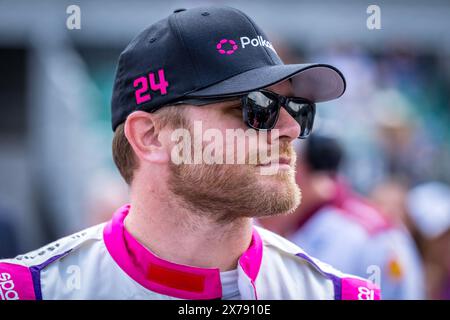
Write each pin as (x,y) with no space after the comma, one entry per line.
(225,192)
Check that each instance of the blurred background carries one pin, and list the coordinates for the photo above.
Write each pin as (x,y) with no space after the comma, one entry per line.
(56,171)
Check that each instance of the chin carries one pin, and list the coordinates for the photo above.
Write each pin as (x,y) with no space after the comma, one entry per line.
(282,178)
(280,193)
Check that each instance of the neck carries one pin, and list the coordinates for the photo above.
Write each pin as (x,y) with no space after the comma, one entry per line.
(178,235)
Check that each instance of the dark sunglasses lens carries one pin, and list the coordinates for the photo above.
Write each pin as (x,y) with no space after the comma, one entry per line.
(260,111)
(303,113)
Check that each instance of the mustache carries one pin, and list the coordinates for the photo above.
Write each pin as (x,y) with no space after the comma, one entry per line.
(273,155)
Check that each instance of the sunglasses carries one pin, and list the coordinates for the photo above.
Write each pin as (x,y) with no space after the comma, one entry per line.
(261,109)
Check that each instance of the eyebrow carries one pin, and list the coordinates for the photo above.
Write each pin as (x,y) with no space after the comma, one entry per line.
(231,102)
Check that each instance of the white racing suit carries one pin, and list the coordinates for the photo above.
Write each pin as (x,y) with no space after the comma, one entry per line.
(106,262)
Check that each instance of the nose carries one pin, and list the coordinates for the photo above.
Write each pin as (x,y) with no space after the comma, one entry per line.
(287,126)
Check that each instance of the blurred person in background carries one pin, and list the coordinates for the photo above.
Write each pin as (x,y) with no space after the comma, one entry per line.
(342,228)
(389,196)
(402,140)
(428,207)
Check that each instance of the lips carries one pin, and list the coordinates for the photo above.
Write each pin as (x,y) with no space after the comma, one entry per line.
(284,160)
(281,160)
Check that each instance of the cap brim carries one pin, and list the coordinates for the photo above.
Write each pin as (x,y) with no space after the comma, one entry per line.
(316,82)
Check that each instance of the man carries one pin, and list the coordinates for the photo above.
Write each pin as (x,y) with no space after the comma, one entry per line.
(187,233)
(340,227)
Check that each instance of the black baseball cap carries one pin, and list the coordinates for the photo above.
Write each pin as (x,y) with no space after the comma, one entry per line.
(207,52)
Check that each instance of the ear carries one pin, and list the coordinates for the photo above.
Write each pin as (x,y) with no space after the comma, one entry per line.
(144,136)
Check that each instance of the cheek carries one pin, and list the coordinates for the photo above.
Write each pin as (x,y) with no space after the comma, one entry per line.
(222,121)
(205,118)
(231,120)
(166,143)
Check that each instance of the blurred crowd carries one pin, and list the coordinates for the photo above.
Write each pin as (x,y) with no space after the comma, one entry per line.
(375,173)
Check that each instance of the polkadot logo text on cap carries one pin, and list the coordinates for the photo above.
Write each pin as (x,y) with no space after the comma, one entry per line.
(224,44)
(228,47)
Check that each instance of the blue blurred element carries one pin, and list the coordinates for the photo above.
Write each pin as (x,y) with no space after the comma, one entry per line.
(8,237)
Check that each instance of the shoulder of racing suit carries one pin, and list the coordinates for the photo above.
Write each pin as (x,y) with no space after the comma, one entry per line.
(286,271)
(322,280)
(20,277)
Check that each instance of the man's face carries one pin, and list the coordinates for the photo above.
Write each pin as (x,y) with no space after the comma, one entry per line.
(233,188)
